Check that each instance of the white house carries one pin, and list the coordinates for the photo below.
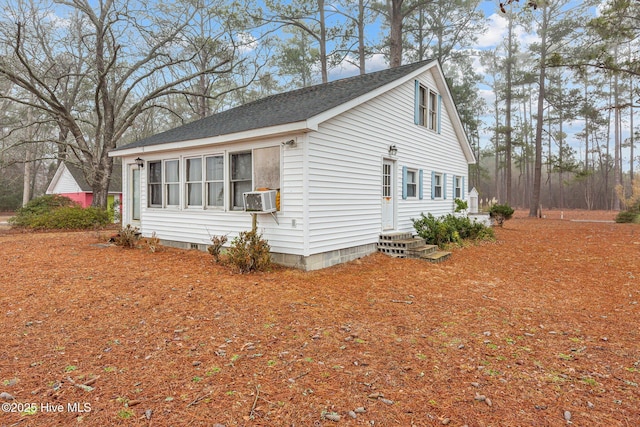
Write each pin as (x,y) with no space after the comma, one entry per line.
(350,159)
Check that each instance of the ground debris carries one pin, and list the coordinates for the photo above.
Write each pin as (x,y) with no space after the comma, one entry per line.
(406,353)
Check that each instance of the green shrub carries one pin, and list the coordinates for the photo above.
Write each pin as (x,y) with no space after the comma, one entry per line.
(461,205)
(26,215)
(75,217)
(249,252)
(450,229)
(53,211)
(628,217)
(501,213)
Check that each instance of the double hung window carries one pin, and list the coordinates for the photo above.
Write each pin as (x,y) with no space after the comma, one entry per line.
(457,187)
(194,181)
(155,183)
(437,185)
(215,181)
(172,182)
(240,178)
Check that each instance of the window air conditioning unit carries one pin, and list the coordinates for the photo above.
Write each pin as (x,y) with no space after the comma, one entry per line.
(260,201)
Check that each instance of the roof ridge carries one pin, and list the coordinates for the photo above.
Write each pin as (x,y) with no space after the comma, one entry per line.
(282,108)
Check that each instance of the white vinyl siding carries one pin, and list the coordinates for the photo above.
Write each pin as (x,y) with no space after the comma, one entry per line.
(66,183)
(331,192)
(189,225)
(345,211)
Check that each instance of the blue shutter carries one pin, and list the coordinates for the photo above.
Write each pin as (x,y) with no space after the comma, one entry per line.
(416,104)
(404,182)
(453,186)
(439,111)
(420,192)
(444,186)
(463,195)
(433,185)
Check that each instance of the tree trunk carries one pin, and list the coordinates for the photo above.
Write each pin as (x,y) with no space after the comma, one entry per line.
(323,42)
(507,136)
(560,163)
(361,45)
(537,175)
(28,172)
(395,32)
(617,173)
(631,130)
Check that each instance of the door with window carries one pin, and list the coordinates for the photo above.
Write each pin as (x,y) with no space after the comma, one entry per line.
(388,195)
(134,194)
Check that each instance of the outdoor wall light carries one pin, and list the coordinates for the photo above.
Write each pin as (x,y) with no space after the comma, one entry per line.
(290,143)
(139,162)
(393,150)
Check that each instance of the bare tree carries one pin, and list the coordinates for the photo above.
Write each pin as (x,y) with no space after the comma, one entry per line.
(126,60)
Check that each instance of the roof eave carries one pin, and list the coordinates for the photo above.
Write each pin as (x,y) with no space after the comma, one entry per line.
(253,134)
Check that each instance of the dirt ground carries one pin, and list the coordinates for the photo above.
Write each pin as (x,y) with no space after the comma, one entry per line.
(541,328)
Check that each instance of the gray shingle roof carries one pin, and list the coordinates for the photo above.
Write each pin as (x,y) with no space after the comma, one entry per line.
(115,185)
(280,109)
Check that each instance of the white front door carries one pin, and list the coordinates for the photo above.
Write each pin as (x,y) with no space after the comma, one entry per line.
(388,198)
(134,194)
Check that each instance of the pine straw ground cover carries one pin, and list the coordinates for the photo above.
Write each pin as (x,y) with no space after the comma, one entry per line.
(541,327)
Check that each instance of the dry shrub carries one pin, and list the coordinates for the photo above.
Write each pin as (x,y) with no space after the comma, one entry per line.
(217,242)
(249,252)
(127,237)
(153,243)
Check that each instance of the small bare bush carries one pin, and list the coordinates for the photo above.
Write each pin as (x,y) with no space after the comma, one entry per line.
(127,237)
(153,243)
(215,249)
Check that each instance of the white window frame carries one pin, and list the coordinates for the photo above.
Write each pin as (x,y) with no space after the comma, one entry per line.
(412,183)
(428,109)
(210,181)
(168,185)
(155,184)
(433,111)
(193,182)
(233,182)
(457,187)
(422,106)
(437,186)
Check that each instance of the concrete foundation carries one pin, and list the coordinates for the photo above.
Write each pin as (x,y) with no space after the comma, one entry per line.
(307,263)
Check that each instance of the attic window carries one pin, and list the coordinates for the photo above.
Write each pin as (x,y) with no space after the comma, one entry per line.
(427,107)
(433,110)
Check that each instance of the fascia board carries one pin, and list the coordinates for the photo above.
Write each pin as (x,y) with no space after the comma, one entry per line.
(216,140)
